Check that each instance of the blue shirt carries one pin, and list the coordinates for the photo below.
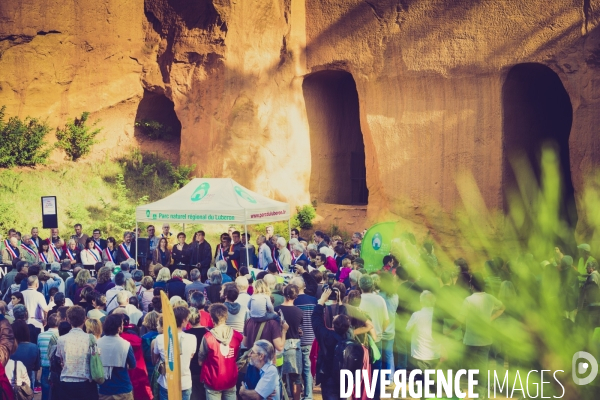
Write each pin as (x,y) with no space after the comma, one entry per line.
(119,382)
(269,381)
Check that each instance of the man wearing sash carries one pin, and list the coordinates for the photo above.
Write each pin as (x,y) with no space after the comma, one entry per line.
(54,236)
(239,251)
(29,250)
(11,250)
(126,249)
(57,249)
(36,239)
(99,243)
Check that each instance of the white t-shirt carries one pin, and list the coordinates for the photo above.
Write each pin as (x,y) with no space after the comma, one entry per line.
(422,344)
(22,375)
(35,302)
(374,306)
(476,312)
(187,343)
(111,298)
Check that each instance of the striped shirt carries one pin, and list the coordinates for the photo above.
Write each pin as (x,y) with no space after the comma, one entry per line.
(307,304)
(43,341)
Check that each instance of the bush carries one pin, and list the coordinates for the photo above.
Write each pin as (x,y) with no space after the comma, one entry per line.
(77,139)
(154,129)
(304,216)
(22,142)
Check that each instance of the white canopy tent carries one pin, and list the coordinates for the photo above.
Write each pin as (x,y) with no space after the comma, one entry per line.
(214,201)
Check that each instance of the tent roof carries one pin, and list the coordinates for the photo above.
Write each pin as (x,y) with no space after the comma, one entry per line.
(214,200)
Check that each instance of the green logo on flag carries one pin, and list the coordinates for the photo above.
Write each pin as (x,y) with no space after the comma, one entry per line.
(200,192)
(376,241)
(244,195)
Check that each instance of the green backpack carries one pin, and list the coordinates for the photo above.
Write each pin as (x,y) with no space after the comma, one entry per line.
(96,368)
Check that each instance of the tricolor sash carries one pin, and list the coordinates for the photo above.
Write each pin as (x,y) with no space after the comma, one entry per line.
(12,251)
(97,244)
(233,262)
(35,246)
(294,258)
(28,249)
(93,255)
(70,254)
(125,252)
(54,251)
(109,255)
(279,267)
(221,252)
(43,257)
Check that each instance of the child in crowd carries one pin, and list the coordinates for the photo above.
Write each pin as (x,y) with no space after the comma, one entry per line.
(260,305)
(346,269)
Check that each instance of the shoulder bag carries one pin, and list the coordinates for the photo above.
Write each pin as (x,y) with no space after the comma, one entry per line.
(242,363)
(22,392)
(96,368)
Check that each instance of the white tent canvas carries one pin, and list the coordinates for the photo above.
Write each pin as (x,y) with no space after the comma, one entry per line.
(214,200)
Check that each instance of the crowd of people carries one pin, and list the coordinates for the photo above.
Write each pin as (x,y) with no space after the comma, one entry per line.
(255,322)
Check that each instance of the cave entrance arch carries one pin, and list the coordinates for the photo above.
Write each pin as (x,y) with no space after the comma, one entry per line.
(537,112)
(338,170)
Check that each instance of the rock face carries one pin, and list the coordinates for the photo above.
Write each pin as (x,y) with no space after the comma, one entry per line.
(282,95)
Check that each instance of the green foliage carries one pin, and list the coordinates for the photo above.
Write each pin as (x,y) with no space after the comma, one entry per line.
(22,142)
(10,181)
(148,174)
(77,139)
(154,129)
(304,216)
(279,228)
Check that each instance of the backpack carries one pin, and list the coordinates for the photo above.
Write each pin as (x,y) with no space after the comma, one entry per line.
(348,355)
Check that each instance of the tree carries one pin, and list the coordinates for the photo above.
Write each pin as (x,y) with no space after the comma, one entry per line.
(22,142)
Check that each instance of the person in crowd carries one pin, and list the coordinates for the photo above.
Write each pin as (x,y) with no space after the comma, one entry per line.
(73,350)
(43,342)
(298,254)
(198,391)
(584,258)
(261,356)
(17,266)
(125,269)
(35,237)
(163,276)
(138,375)
(375,307)
(162,254)
(264,253)
(145,293)
(223,268)
(285,257)
(152,245)
(45,255)
(237,314)
(187,345)
(175,286)
(94,327)
(260,304)
(425,349)
(386,286)
(201,254)
(242,285)
(11,250)
(79,236)
(239,250)
(98,301)
(219,371)
(167,234)
(126,250)
(22,377)
(477,313)
(72,252)
(292,355)
(306,303)
(196,285)
(198,301)
(27,352)
(117,357)
(109,254)
(111,295)
(4,312)
(90,255)
(213,291)
(35,302)
(81,282)
(356,243)
(328,340)
(180,252)
(151,326)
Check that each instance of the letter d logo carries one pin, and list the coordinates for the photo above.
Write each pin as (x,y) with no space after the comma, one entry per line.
(582,367)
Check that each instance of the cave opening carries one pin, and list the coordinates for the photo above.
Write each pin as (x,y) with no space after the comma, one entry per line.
(338,170)
(156,118)
(537,112)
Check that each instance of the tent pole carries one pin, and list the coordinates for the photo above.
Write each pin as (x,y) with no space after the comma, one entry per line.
(289,229)
(136,243)
(247,240)
(183,228)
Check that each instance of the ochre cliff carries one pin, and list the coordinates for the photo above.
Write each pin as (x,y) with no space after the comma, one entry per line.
(427,85)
